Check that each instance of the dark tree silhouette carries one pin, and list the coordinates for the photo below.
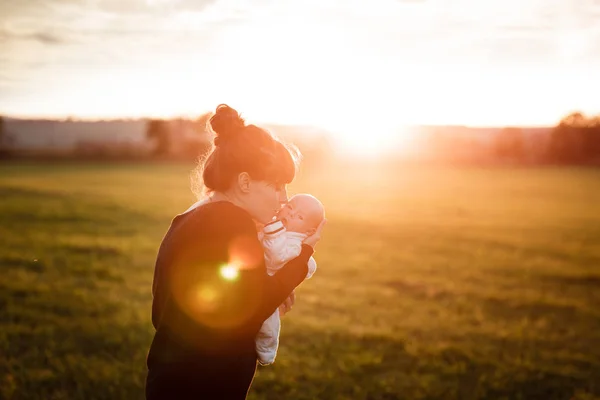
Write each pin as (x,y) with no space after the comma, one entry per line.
(2,132)
(575,140)
(157,131)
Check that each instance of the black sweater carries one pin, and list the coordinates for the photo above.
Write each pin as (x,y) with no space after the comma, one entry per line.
(211,291)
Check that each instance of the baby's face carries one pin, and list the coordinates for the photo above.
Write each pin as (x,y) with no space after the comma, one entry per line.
(302,214)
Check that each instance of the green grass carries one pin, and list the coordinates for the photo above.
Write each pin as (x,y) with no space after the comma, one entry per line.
(432,283)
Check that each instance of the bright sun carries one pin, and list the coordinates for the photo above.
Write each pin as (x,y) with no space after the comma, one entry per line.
(372,141)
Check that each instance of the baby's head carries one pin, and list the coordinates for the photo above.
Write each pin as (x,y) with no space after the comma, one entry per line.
(303,213)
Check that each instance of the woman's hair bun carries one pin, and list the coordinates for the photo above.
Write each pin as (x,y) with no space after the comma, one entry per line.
(226,123)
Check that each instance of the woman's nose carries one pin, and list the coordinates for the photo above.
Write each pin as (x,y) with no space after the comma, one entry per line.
(283,197)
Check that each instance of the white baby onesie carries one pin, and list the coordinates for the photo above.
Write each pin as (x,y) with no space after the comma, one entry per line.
(280,247)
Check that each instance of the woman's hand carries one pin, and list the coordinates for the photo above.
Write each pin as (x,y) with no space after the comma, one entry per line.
(315,237)
(286,306)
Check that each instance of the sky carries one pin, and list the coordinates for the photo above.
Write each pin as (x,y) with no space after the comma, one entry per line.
(332,63)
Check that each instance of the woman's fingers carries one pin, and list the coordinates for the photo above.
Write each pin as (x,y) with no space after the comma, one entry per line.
(320,228)
(289,302)
(321,225)
(287,305)
(315,237)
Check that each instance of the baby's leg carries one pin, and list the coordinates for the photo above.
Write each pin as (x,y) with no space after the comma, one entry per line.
(267,340)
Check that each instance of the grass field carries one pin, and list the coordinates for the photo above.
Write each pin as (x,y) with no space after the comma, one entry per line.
(432,283)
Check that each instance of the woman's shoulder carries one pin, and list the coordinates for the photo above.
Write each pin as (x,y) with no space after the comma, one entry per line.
(216,207)
(217,214)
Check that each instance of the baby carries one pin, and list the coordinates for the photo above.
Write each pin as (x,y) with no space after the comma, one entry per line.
(282,241)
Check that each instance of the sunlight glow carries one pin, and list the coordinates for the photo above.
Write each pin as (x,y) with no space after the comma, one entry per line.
(572,44)
(362,71)
(229,272)
(372,141)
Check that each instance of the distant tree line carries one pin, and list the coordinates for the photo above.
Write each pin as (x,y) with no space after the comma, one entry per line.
(3,138)
(179,138)
(2,132)
(170,141)
(574,140)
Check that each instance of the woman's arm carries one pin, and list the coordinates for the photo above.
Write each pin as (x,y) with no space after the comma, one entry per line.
(283,282)
(271,290)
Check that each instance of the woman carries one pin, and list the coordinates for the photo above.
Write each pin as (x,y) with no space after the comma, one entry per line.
(211,291)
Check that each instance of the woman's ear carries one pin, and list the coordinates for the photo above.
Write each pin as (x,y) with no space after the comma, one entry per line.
(243,182)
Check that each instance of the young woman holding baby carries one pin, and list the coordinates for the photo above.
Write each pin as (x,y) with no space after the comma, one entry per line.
(211,290)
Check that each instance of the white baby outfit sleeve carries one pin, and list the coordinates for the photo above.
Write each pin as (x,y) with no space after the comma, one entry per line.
(280,247)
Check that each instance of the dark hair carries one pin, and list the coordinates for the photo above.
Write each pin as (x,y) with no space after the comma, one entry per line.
(245,148)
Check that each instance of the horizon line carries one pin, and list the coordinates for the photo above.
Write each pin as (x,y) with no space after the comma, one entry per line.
(73,118)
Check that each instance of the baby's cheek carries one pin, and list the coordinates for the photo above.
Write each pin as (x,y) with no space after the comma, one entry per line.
(306,226)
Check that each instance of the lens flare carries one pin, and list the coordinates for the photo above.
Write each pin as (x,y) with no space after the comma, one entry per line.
(207,299)
(229,272)
(215,293)
(245,252)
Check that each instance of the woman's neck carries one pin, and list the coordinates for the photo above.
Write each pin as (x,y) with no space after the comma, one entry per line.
(232,198)
(224,196)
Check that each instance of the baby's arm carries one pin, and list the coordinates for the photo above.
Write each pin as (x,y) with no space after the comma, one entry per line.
(293,246)
(281,249)
(290,249)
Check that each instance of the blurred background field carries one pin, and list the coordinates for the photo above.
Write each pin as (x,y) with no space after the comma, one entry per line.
(433,282)
(454,143)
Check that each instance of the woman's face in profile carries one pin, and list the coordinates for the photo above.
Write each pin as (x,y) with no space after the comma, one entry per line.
(266,200)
